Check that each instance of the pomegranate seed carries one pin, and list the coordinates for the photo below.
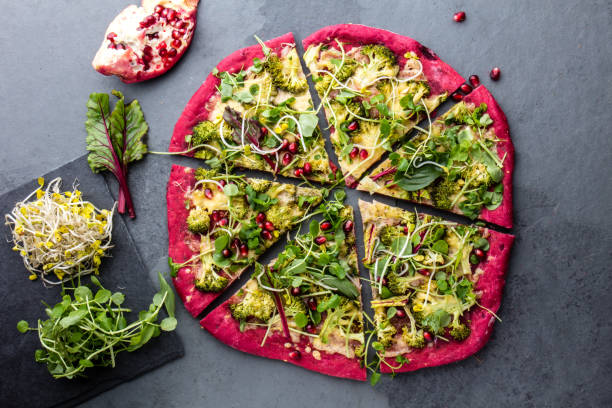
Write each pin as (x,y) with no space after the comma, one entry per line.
(147,58)
(163,52)
(261,217)
(354,152)
(457,96)
(352,126)
(293,148)
(400,313)
(312,304)
(428,336)
(310,328)
(176,43)
(208,193)
(112,45)
(385,282)
(325,225)
(266,235)
(474,80)
(260,225)
(215,215)
(158,9)
(162,45)
(296,291)
(236,243)
(363,154)
(287,157)
(164,12)
(227,253)
(295,355)
(264,130)
(320,240)
(171,14)
(223,183)
(424,272)
(406,229)
(465,88)
(171,53)
(348,226)
(223,222)
(244,250)
(183,25)
(147,50)
(182,31)
(269,226)
(479,253)
(176,35)
(111,36)
(459,16)
(495,73)
(298,172)
(167,64)
(307,168)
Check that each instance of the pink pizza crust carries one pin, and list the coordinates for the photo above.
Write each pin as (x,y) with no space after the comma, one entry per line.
(179,240)
(502,215)
(441,76)
(226,329)
(490,285)
(196,111)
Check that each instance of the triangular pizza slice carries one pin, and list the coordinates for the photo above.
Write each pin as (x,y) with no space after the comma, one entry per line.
(463,163)
(219,224)
(255,111)
(375,86)
(305,307)
(436,285)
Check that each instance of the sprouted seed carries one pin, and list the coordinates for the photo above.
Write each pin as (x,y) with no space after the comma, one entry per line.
(59,235)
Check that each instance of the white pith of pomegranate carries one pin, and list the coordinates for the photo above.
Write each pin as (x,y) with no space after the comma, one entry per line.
(144,42)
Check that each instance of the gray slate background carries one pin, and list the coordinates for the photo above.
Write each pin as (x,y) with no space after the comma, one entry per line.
(553,347)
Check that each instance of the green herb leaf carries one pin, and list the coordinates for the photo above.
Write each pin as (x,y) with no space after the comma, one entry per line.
(391,312)
(231,190)
(421,178)
(166,289)
(73,318)
(174,267)
(301,320)
(440,246)
(23,326)
(308,123)
(375,378)
(168,324)
(330,303)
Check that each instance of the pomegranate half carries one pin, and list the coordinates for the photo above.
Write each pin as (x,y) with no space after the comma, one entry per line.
(144,42)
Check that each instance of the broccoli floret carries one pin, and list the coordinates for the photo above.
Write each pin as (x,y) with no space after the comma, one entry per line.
(259,185)
(381,59)
(204,132)
(286,73)
(280,216)
(347,69)
(413,337)
(442,192)
(401,285)
(323,84)
(211,282)
(204,174)
(389,233)
(293,305)
(459,331)
(477,175)
(384,329)
(198,221)
(239,207)
(257,303)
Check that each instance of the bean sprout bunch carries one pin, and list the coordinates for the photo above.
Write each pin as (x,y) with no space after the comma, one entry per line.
(59,235)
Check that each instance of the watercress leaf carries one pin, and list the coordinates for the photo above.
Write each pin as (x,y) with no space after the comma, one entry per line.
(337,270)
(157,299)
(95,281)
(117,298)
(296,267)
(165,288)
(375,378)
(344,286)
(314,228)
(168,324)
(330,303)
(385,128)
(231,190)
(401,246)
(421,178)
(440,246)
(391,312)
(378,346)
(383,109)
(23,326)
(301,320)
(102,296)
(308,122)
(73,318)
(85,363)
(82,293)
(297,281)
(244,96)
(482,243)
(340,195)
(221,242)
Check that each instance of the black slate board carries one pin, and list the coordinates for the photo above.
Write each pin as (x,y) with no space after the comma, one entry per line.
(25,383)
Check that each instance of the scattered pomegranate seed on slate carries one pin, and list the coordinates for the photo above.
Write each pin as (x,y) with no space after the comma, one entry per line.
(474,80)
(459,16)
(456,96)
(465,88)
(495,73)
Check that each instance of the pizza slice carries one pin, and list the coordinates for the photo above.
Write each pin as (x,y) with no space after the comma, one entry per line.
(463,163)
(254,111)
(305,307)
(375,86)
(219,224)
(436,285)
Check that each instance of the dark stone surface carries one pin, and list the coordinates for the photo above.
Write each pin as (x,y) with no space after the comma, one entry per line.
(552,348)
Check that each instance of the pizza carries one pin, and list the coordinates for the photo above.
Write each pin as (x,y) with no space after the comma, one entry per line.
(463,163)
(144,42)
(254,111)
(436,285)
(305,307)
(219,224)
(375,86)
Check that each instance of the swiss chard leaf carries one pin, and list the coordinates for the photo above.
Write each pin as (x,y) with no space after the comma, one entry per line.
(421,178)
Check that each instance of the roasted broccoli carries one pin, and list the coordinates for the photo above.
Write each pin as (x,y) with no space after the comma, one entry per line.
(389,233)
(211,281)
(286,73)
(239,207)
(280,216)
(459,330)
(477,175)
(382,63)
(198,221)
(442,192)
(413,337)
(348,68)
(293,305)
(256,303)
(205,174)
(323,84)
(204,132)
(260,185)
(384,329)
(401,285)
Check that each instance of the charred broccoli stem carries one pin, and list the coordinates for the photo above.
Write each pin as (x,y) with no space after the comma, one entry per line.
(257,304)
